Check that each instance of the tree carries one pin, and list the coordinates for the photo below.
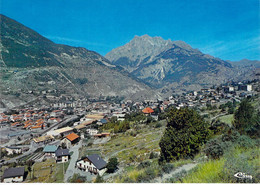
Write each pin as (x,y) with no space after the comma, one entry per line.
(185,132)
(245,119)
(63,145)
(112,165)
(99,179)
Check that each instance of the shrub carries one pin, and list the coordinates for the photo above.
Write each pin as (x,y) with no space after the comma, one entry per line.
(246,142)
(153,155)
(144,164)
(213,149)
(231,135)
(128,180)
(133,133)
(147,175)
(167,168)
(177,177)
(238,163)
(112,165)
(99,179)
(158,125)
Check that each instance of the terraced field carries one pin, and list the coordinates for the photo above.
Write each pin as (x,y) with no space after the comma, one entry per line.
(129,148)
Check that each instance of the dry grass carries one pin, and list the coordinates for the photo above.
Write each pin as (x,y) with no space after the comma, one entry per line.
(128,148)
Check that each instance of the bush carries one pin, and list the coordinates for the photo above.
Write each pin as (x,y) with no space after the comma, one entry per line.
(153,155)
(128,180)
(99,179)
(144,164)
(213,149)
(177,177)
(246,142)
(239,163)
(112,165)
(76,178)
(231,135)
(158,125)
(146,176)
(167,168)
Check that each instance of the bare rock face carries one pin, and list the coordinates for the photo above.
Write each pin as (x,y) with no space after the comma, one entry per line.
(31,62)
(172,64)
(137,51)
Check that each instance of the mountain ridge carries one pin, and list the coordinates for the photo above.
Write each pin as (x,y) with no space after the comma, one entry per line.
(172,64)
(30,62)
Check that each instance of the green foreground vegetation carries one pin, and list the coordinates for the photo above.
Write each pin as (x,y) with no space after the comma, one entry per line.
(220,150)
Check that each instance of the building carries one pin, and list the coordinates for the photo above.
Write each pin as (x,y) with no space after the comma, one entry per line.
(43,139)
(93,164)
(228,89)
(102,135)
(13,175)
(13,150)
(147,111)
(101,122)
(62,155)
(120,116)
(91,131)
(49,150)
(61,132)
(70,139)
(245,87)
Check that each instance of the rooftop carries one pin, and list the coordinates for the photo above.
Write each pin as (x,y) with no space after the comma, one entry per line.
(43,138)
(97,161)
(147,110)
(62,152)
(64,129)
(50,148)
(13,172)
(72,136)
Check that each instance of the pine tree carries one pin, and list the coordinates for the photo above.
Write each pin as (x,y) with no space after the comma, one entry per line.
(185,132)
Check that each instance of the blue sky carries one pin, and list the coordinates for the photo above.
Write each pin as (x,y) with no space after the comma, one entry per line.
(228,29)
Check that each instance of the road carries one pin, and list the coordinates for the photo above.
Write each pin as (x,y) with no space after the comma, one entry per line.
(30,151)
(74,157)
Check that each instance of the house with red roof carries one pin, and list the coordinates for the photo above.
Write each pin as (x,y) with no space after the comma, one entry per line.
(147,110)
(70,140)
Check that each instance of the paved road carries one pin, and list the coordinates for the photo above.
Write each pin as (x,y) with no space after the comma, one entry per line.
(30,151)
(71,168)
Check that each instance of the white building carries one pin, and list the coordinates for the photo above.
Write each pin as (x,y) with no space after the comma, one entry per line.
(12,175)
(92,131)
(93,164)
(49,150)
(249,88)
(13,150)
(62,155)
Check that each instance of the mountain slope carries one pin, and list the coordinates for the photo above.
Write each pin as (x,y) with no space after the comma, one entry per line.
(31,62)
(172,64)
(246,62)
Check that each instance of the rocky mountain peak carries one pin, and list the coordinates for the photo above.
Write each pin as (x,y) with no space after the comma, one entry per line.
(140,48)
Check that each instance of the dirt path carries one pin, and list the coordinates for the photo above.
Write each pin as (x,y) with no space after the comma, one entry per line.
(186,167)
